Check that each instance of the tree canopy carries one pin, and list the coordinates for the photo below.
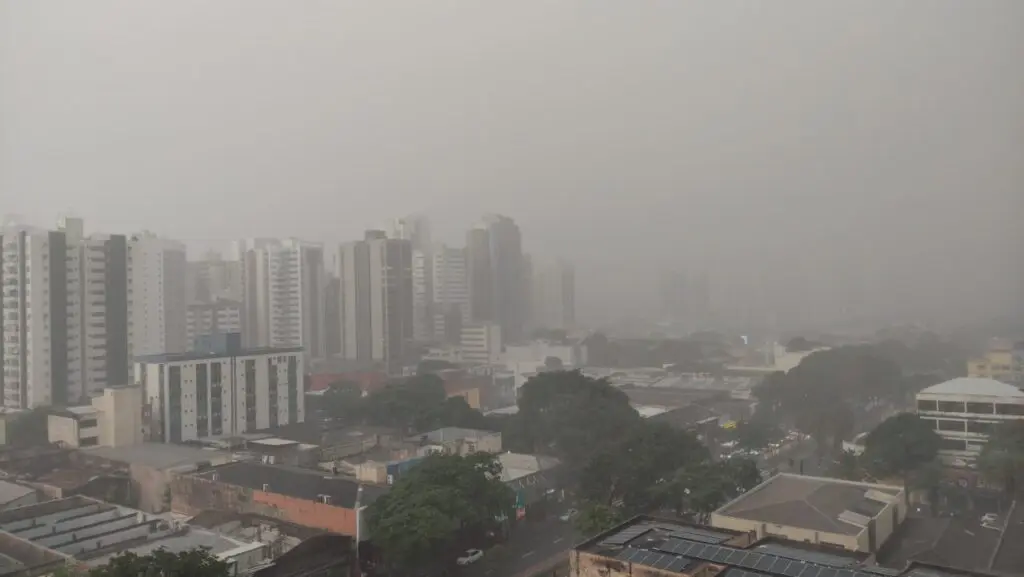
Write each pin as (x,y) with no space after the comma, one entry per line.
(426,509)
(900,445)
(1002,458)
(704,486)
(414,404)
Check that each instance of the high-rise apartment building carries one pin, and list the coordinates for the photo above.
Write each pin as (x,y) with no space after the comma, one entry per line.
(157,307)
(497,275)
(451,292)
(283,287)
(553,299)
(33,275)
(64,310)
(416,230)
(98,347)
(219,317)
(376,311)
(214,278)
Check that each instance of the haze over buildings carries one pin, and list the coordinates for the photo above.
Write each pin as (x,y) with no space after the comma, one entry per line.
(691,134)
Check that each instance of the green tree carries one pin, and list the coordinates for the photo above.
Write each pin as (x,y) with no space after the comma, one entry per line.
(192,563)
(846,466)
(571,416)
(900,445)
(701,488)
(1002,458)
(343,400)
(420,518)
(625,472)
(594,518)
(408,404)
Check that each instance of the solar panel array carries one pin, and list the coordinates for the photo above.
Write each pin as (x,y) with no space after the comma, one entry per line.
(654,559)
(627,535)
(755,562)
(698,536)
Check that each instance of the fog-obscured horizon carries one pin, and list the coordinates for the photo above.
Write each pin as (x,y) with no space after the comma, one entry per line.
(865,148)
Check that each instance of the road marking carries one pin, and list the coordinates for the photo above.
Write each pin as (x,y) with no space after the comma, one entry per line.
(557,540)
(527,554)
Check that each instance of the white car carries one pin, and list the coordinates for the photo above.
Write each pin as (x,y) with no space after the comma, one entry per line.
(569,514)
(989,518)
(471,556)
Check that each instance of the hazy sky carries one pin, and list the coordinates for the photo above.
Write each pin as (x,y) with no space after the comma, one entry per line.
(621,134)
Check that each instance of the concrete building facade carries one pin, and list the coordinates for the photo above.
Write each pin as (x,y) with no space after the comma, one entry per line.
(857,517)
(965,411)
(196,395)
(553,296)
(156,295)
(376,310)
(209,318)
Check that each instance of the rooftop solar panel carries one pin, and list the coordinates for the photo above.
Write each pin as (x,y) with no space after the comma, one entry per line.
(765,563)
(626,535)
(679,564)
(755,563)
(709,539)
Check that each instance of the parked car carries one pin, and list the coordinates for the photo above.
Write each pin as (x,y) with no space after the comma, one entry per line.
(569,514)
(989,518)
(471,556)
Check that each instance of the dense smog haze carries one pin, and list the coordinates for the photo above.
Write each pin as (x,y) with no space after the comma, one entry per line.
(822,159)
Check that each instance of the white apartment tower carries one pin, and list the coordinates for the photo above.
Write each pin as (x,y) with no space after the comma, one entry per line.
(35,339)
(97,275)
(451,292)
(157,306)
(64,314)
(376,292)
(283,284)
(553,298)
(416,230)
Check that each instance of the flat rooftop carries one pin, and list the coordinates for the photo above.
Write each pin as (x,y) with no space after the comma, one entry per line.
(304,484)
(158,455)
(449,434)
(206,355)
(93,531)
(815,503)
(680,547)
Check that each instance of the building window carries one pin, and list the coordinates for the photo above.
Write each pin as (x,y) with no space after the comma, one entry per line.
(1015,410)
(89,441)
(979,427)
(981,408)
(952,407)
(86,423)
(923,405)
(949,425)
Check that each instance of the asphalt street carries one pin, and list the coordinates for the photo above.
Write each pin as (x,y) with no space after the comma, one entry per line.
(531,545)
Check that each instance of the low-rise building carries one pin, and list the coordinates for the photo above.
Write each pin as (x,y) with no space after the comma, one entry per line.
(652,547)
(189,396)
(1003,362)
(301,496)
(964,412)
(114,419)
(857,517)
(458,441)
(150,466)
(88,533)
(15,495)
(533,478)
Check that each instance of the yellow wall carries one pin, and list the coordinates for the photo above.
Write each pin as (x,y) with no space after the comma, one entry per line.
(998,365)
